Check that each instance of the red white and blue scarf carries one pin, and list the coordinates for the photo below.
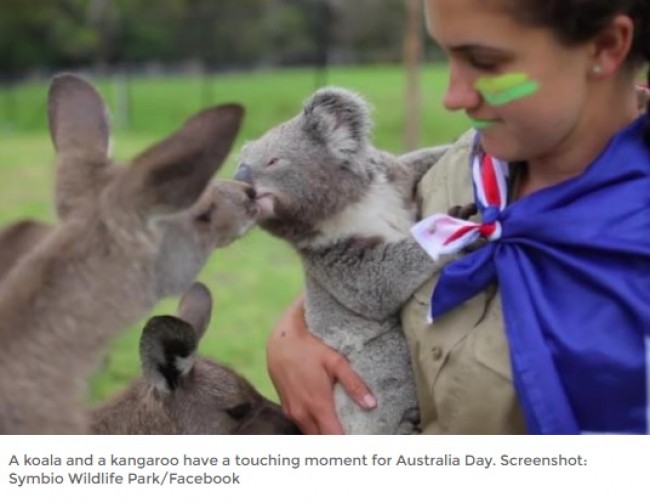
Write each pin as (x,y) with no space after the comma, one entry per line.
(572,263)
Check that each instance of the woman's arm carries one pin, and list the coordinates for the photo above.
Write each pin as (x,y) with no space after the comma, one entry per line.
(304,370)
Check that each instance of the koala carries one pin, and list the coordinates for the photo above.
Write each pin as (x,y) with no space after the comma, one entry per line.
(346,208)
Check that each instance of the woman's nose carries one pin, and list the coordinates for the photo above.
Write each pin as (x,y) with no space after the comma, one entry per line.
(461,94)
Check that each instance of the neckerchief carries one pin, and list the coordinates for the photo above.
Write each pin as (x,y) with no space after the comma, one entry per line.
(572,262)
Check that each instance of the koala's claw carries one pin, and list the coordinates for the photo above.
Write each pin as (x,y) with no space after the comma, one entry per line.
(463,212)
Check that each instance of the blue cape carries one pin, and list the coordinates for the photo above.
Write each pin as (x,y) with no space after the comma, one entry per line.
(573,269)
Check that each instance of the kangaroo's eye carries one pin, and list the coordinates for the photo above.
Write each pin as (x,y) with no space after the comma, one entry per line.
(240,411)
(272,162)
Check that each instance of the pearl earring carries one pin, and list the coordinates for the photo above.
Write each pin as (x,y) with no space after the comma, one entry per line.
(597,69)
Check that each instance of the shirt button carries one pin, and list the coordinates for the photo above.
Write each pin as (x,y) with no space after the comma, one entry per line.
(436,352)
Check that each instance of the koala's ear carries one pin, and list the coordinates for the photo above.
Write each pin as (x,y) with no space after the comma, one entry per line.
(167,351)
(339,119)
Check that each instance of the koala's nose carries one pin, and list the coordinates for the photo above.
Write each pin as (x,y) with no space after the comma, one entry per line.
(250,192)
(244,174)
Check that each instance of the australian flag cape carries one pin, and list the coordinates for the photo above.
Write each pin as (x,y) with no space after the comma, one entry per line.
(572,263)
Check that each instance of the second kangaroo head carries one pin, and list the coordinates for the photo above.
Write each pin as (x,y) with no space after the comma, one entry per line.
(160,204)
(180,393)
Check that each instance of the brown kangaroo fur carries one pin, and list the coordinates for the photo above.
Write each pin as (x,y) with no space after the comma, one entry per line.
(128,236)
(17,239)
(179,393)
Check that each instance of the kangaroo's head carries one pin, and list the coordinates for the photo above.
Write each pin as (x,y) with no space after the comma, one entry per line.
(160,207)
(184,394)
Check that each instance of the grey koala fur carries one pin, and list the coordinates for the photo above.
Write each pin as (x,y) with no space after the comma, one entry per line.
(346,207)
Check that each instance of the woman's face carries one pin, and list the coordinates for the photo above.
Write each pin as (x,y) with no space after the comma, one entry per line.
(533,97)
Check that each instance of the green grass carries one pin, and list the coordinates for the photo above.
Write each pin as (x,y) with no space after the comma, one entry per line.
(254,279)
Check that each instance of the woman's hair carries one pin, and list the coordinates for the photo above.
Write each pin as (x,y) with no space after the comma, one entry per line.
(577,21)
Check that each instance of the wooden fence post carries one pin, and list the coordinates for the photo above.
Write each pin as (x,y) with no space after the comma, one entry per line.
(412,61)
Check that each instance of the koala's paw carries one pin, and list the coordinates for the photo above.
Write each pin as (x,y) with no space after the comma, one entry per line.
(463,212)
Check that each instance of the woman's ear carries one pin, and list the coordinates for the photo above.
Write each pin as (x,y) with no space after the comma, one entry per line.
(612,46)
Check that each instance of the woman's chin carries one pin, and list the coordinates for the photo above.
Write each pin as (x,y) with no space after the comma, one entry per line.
(495,146)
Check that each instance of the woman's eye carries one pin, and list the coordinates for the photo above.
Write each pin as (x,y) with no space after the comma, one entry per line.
(272,162)
(487,66)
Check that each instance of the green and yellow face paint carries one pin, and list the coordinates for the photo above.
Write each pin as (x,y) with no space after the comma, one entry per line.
(504,89)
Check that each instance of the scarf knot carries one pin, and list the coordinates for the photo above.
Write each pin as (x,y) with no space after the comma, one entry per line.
(490,228)
(442,234)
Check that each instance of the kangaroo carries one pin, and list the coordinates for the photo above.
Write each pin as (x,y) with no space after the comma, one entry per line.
(17,239)
(128,236)
(179,393)
(346,207)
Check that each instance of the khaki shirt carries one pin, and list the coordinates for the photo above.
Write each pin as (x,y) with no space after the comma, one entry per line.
(461,360)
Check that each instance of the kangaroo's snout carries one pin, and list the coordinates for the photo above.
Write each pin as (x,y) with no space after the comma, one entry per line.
(244,174)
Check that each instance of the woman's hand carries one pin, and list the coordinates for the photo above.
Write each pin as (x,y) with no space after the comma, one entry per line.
(304,371)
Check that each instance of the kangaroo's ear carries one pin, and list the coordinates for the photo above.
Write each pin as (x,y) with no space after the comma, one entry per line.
(167,351)
(339,119)
(78,119)
(79,126)
(170,176)
(195,307)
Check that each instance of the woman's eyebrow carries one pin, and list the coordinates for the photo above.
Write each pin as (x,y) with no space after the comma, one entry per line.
(478,48)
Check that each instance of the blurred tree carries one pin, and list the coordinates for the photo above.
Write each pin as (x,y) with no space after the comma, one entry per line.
(288,28)
(223,33)
(146,30)
(216,33)
(43,33)
(412,61)
(101,16)
(367,30)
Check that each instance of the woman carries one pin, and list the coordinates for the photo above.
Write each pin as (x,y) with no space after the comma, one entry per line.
(546,328)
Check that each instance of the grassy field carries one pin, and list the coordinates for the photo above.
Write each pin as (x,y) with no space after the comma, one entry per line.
(255,278)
